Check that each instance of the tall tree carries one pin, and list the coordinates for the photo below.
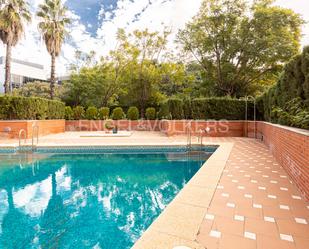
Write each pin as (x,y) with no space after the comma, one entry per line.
(13,14)
(240,46)
(53,24)
(143,73)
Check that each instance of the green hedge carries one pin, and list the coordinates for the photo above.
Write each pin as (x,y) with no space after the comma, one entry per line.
(133,113)
(79,112)
(118,114)
(104,113)
(24,108)
(287,102)
(150,113)
(220,108)
(91,113)
(206,109)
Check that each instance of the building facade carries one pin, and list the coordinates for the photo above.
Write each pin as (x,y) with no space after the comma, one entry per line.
(21,73)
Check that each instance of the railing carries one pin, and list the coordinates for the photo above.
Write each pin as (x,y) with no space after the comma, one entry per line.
(247,98)
(35,132)
(189,137)
(21,132)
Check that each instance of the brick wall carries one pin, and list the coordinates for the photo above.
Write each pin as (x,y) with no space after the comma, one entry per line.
(99,125)
(291,149)
(217,128)
(10,129)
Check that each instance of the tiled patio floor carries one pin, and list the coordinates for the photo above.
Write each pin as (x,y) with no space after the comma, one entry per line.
(255,204)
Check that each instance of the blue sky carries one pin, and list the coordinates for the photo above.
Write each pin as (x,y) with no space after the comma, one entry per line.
(89,11)
(96,22)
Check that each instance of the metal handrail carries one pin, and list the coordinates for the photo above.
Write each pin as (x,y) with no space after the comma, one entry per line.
(21,132)
(35,128)
(247,98)
(189,142)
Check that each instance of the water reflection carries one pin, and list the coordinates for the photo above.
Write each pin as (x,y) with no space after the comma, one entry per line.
(86,201)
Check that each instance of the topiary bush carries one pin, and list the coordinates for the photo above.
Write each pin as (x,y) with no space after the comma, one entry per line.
(28,108)
(79,112)
(175,107)
(104,113)
(69,114)
(118,114)
(133,113)
(150,113)
(91,113)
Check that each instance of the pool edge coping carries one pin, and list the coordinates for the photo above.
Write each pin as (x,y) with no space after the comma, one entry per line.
(179,223)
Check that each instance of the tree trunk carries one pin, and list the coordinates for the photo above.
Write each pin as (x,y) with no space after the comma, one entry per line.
(7,82)
(52,76)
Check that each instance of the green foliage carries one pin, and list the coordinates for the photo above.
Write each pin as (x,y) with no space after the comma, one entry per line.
(118,114)
(69,114)
(104,113)
(164,112)
(38,89)
(218,108)
(22,108)
(187,108)
(287,102)
(294,114)
(91,113)
(133,113)
(241,45)
(79,112)
(150,113)
(175,107)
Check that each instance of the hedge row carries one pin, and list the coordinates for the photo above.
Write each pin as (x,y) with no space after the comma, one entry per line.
(287,102)
(92,113)
(206,109)
(23,108)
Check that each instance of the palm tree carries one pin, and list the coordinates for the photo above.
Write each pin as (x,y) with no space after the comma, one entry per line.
(13,14)
(53,29)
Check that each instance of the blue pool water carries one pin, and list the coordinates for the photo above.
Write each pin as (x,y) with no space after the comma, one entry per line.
(93,200)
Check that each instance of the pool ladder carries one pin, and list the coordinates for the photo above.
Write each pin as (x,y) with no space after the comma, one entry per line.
(23,136)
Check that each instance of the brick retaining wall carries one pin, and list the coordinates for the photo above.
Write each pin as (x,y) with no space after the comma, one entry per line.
(291,149)
(10,129)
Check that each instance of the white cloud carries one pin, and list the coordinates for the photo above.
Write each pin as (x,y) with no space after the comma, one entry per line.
(130,15)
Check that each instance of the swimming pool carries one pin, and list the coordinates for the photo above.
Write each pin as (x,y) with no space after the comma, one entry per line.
(89,198)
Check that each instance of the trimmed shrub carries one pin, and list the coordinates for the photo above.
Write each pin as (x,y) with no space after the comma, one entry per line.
(104,113)
(187,109)
(219,108)
(92,113)
(164,112)
(150,113)
(25,108)
(175,107)
(118,114)
(133,113)
(79,112)
(68,113)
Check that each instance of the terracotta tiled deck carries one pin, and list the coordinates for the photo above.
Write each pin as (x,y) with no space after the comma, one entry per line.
(255,204)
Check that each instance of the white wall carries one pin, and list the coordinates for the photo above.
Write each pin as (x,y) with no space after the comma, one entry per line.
(22,70)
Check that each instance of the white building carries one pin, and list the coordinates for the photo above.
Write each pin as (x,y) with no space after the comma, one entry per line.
(21,73)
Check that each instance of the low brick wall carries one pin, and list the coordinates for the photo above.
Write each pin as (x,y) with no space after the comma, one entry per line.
(10,129)
(291,149)
(217,128)
(99,125)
